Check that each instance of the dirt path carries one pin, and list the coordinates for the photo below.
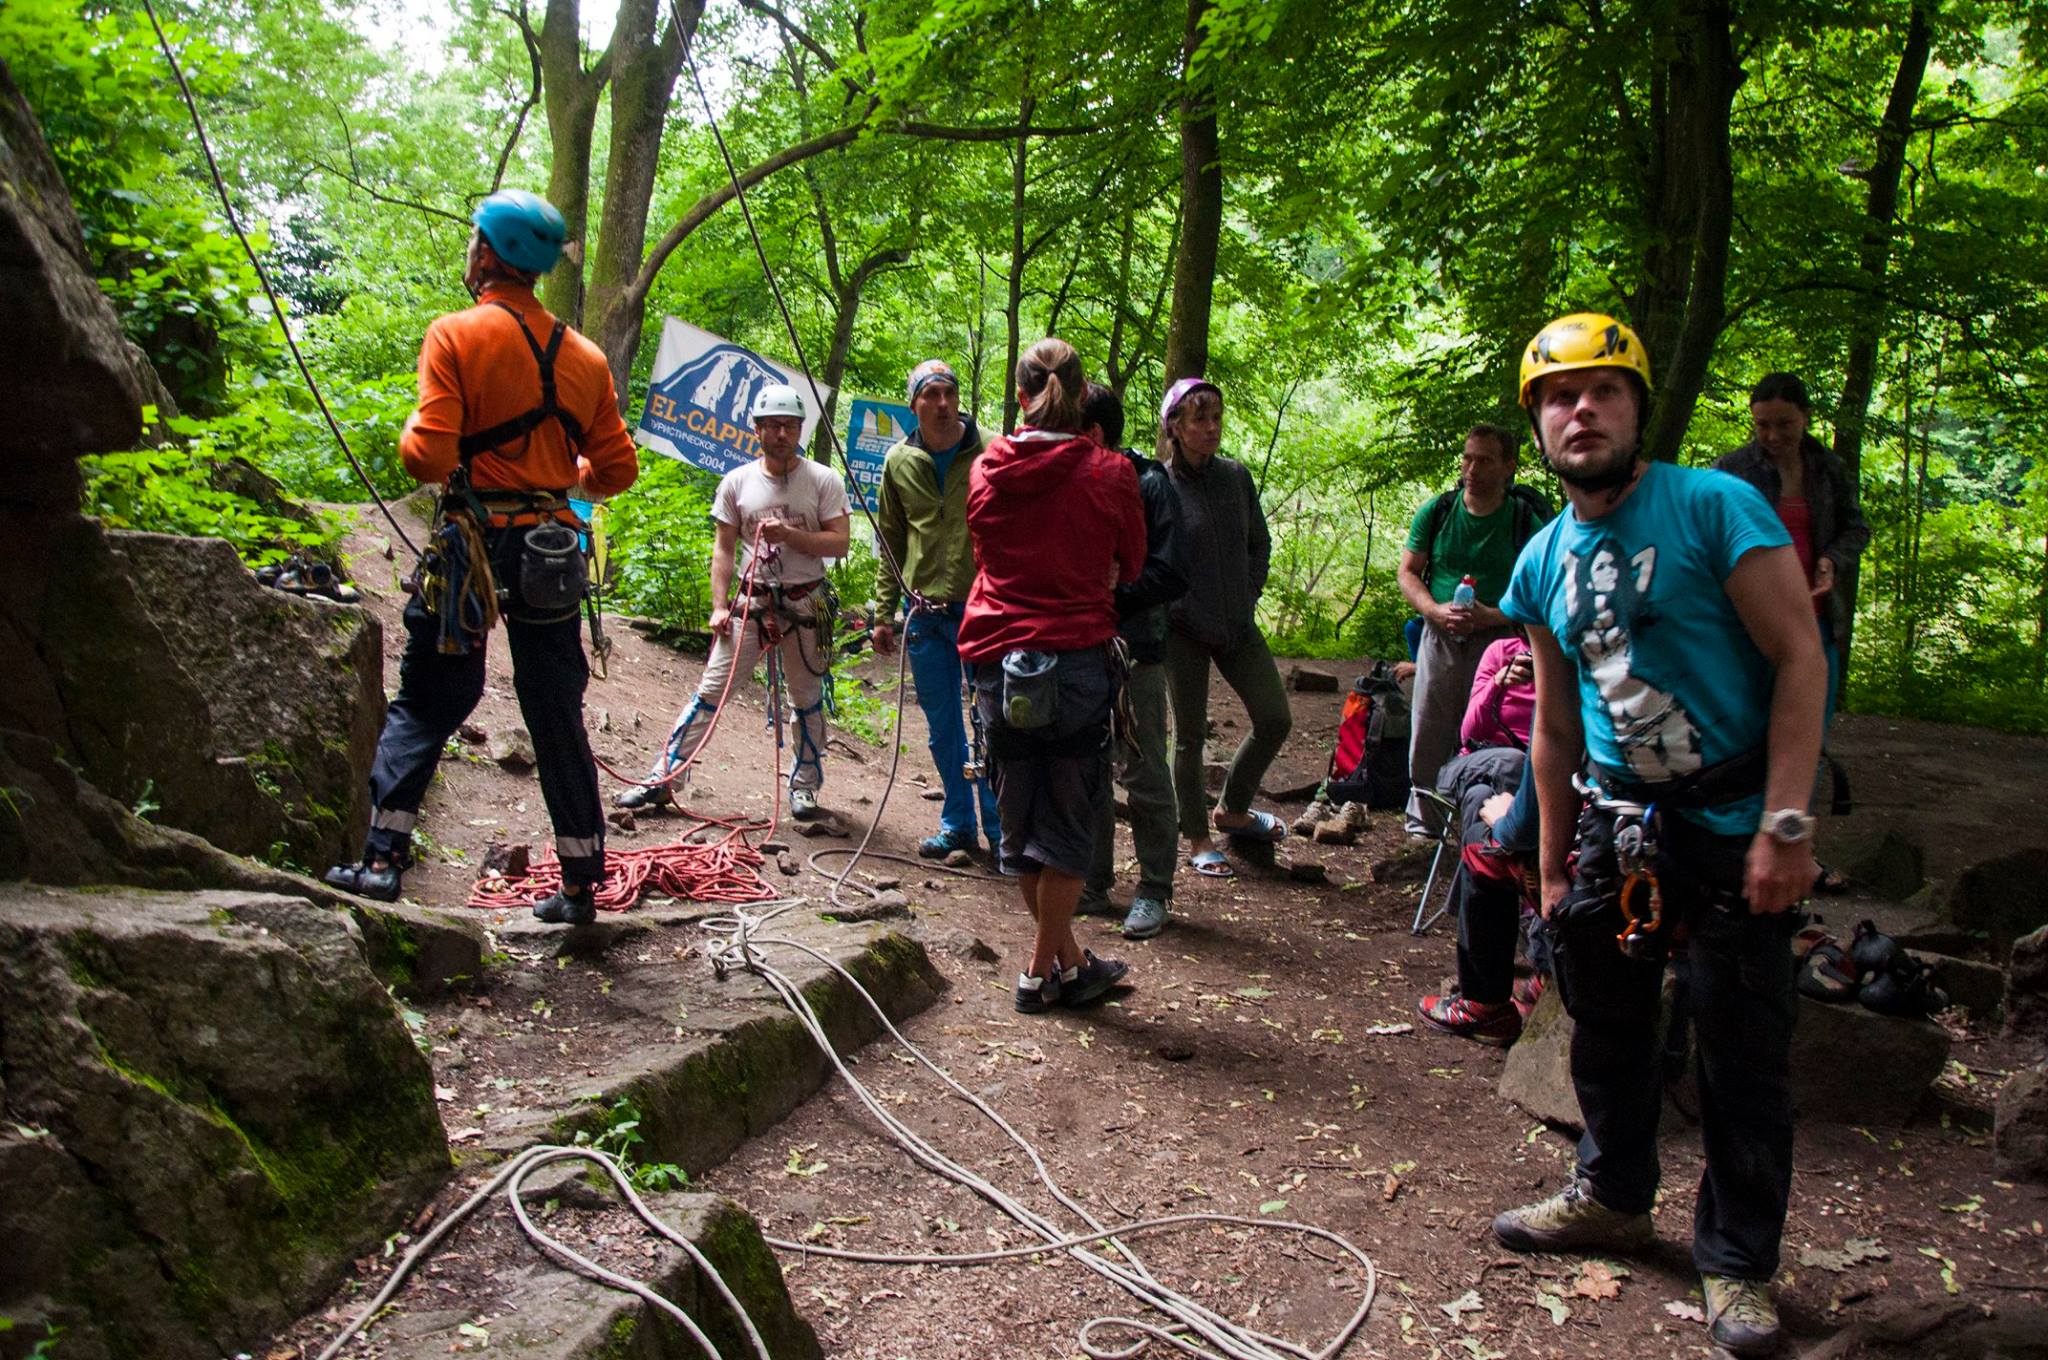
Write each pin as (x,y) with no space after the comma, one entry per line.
(1264,1061)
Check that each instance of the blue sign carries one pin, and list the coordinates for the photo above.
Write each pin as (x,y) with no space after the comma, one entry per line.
(872,429)
(701,409)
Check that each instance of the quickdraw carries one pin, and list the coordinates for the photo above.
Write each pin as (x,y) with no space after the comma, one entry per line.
(1642,894)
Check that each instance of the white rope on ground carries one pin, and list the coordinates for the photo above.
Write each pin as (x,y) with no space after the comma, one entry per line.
(1227,1339)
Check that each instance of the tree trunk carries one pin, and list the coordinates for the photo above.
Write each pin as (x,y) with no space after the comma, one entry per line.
(1201,195)
(1689,208)
(570,96)
(1879,218)
(846,309)
(1014,303)
(643,80)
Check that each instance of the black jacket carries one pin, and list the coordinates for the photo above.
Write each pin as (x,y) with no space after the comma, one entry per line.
(1141,605)
(1839,532)
(1226,550)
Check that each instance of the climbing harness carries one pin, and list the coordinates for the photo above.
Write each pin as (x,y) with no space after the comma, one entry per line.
(522,426)
(1642,895)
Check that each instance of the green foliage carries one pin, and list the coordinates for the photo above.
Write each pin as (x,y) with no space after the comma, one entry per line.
(172,490)
(661,539)
(620,1138)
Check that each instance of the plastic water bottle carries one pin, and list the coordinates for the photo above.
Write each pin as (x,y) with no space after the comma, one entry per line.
(1463,598)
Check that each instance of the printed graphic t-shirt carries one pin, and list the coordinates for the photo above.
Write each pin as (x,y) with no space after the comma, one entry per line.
(1481,546)
(809,496)
(1669,681)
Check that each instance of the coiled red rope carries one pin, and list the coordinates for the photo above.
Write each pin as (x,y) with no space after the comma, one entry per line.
(724,870)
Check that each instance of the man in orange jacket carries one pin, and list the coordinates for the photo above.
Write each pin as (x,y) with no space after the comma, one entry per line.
(521,409)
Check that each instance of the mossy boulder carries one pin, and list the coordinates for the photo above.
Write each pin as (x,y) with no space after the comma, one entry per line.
(211,1107)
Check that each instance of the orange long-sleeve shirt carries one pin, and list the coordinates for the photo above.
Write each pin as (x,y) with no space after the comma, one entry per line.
(476,371)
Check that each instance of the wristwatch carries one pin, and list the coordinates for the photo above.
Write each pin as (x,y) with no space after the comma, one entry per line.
(1787,826)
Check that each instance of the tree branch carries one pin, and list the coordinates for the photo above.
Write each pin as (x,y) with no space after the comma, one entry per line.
(382,197)
(790,27)
(524,21)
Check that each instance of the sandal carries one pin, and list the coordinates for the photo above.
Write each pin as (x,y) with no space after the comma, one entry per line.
(1263,826)
(1211,864)
(1826,974)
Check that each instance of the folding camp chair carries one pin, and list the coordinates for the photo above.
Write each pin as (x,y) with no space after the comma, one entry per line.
(1448,838)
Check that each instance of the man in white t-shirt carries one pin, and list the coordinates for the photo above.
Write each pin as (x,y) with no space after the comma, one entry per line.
(779,517)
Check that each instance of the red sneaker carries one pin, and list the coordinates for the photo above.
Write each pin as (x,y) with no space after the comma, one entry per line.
(1528,991)
(1497,1026)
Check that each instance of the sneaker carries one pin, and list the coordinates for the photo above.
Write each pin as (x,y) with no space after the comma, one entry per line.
(944,844)
(1529,991)
(378,880)
(1079,986)
(1740,1315)
(1147,918)
(1095,903)
(1036,995)
(639,799)
(567,908)
(803,803)
(1498,1025)
(1571,1220)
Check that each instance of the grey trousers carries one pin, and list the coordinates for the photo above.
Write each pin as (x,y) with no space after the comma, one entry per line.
(1149,787)
(1247,668)
(1444,667)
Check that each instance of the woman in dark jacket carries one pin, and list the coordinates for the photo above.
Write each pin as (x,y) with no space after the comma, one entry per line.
(1812,493)
(1056,523)
(1228,552)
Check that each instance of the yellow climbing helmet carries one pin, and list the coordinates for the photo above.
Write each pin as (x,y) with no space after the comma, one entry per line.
(1583,340)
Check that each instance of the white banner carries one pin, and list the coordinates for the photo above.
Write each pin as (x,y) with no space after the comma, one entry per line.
(699,407)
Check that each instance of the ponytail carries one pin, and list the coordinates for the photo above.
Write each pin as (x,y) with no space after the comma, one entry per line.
(1051,387)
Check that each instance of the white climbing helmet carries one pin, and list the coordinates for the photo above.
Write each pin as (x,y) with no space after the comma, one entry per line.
(778,399)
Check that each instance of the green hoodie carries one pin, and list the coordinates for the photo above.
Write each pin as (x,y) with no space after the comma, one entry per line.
(926,528)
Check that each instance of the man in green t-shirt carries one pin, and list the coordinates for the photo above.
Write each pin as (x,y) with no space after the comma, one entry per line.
(1475,529)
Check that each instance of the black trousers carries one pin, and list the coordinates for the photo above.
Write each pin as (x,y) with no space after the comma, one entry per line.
(436,692)
(1489,918)
(1743,1009)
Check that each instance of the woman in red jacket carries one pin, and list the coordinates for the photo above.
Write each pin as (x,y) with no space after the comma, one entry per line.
(1056,523)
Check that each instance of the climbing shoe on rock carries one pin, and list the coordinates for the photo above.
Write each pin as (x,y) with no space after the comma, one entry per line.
(378,880)
(803,804)
(639,799)
(1740,1314)
(567,909)
(1036,995)
(1079,986)
(1497,1026)
(1572,1220)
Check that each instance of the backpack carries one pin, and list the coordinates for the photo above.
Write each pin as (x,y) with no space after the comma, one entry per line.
(1370,763)
(1532,512)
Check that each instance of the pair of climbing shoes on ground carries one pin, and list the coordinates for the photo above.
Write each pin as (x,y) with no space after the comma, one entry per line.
(1873,968)
(299,576)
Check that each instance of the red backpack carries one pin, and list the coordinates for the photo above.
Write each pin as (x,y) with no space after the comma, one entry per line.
(1370,764)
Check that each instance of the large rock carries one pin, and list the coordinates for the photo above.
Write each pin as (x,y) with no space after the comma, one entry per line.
(212,1106)
(244,715)
(2002,898)
(2026,988)
(1835,1051)
(1854,1066)
(56,828)
(2020,1132)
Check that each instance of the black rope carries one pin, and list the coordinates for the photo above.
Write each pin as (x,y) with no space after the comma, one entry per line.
(684,35)
(263,276)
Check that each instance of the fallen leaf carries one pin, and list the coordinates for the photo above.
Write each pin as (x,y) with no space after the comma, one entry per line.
(1389,1188)
(1467,1302)
(796,1166)
(1689,1312)
(1853,1252)
(474,1332)
(1558,1308)
(444,1093)
(1272,1206)
(1598,1280)
(1254,993)
(1390,1029)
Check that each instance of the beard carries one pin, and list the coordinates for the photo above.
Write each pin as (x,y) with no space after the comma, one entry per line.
(1618,471)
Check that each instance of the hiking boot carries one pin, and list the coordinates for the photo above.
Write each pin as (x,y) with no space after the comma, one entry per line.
(803,804)
(378,880)
(944,844)
(567,908)
(1740,1315)
(1147,918)
(1497,1026)
(1036,995)
(1529,991)
(1079,986)
(639,799)
(1095,903)
(1571,1220)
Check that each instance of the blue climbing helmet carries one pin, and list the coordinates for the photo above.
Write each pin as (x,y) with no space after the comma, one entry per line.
(524,229)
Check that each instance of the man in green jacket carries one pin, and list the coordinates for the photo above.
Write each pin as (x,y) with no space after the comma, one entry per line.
(922,510)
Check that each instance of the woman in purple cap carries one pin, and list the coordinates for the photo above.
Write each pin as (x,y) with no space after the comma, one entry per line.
(1228,552)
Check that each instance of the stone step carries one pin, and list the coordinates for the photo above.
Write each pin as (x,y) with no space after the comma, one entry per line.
(546,1312)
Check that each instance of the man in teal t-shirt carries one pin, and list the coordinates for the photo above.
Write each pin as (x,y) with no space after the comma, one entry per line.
(1675,646)
(1474,529)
